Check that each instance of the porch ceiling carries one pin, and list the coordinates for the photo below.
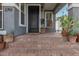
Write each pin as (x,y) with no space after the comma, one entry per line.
(49,6)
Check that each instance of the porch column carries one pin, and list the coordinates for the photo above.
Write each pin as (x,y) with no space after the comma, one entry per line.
(55,10)
(73,10)
(54,22)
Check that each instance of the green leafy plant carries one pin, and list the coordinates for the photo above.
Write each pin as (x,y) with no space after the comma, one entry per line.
(66,22)
(75,28)
(72,32)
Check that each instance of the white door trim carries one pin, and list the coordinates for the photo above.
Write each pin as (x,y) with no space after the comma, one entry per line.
(39,16)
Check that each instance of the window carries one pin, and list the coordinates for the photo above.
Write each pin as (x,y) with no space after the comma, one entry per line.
(1,16)
(22,15)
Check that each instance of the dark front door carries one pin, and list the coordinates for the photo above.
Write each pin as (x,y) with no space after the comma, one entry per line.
(33,19)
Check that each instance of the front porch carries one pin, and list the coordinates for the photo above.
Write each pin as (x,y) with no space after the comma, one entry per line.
(24,23)
(36,44)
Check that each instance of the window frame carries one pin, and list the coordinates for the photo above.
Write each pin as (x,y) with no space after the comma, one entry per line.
(2,16)
(20,24)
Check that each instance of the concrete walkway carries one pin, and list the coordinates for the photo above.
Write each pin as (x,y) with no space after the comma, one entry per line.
(48,44)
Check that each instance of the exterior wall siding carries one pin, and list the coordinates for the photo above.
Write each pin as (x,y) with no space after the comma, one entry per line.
(11,21)
(76,13)
(18,29)
(8,19)
(74,10)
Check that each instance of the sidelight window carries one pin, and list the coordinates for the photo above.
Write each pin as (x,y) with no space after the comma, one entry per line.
(22,15)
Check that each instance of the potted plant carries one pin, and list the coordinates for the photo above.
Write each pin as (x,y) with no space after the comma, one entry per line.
(73,31)
(76,27)
(72,34)
(9,37)
(66,22)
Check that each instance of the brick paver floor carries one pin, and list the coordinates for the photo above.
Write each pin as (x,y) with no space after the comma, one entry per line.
(36,44)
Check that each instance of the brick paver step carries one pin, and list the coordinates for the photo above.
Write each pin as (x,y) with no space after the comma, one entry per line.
(40,44)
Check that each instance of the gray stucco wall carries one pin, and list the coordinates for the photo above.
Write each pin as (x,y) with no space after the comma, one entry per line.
(74,12)
(9,19)
(18,29)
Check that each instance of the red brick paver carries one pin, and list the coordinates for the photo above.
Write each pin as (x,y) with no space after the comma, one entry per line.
(48,44)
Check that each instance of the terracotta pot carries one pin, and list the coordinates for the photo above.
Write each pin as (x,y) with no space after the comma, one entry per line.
(64,33)
(72,39)
(77,37)
(8,38)
(1,38)
(2,45)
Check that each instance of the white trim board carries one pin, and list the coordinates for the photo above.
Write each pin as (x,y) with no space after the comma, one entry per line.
(22,25)
(39,16)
